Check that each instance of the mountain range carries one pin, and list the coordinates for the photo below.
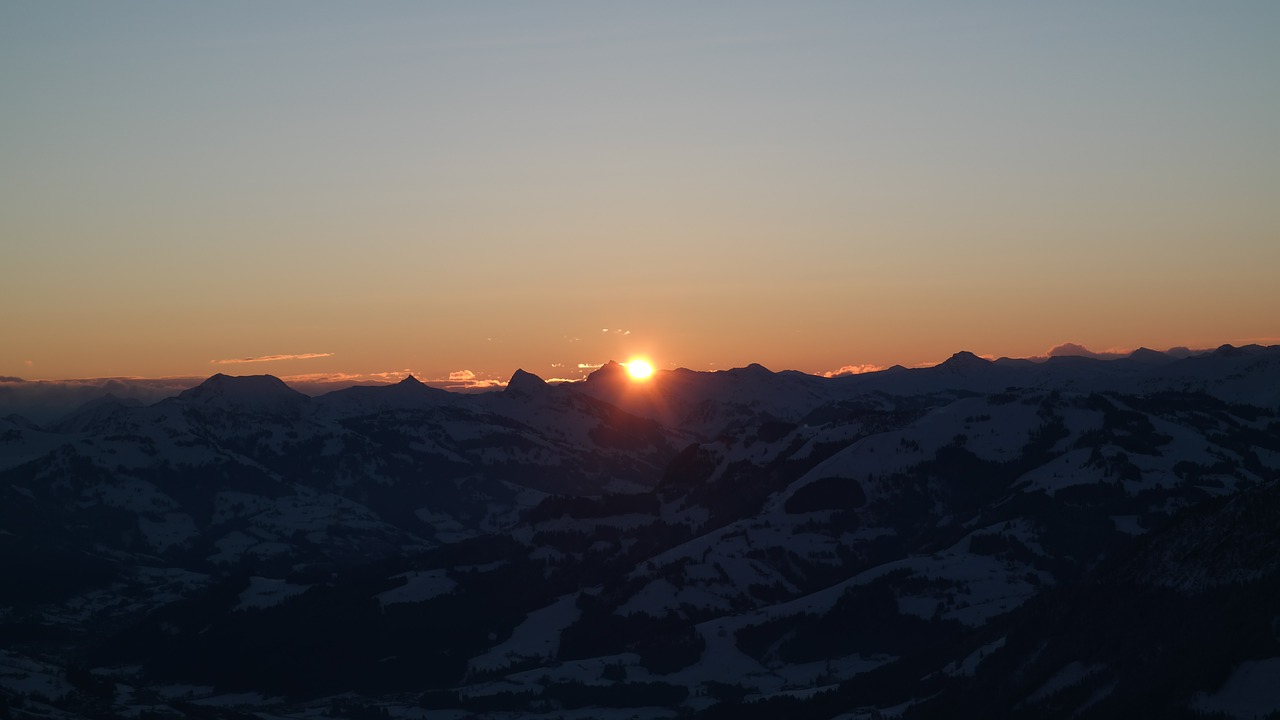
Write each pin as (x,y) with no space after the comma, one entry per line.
(1071,538)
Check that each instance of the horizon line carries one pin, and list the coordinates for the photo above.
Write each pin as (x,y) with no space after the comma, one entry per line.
(473,382)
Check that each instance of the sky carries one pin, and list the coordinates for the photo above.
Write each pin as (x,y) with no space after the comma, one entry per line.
(364,190)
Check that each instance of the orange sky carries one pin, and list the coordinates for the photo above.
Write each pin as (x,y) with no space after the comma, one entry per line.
(462,188)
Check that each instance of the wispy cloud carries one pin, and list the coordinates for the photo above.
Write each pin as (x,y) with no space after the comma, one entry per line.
(270,358)
(467,380)
(854,370)
(321,378)
(590,366)
(391,375)
(478,385)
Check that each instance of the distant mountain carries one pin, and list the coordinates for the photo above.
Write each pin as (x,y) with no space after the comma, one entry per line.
(1071,538)
(264,394)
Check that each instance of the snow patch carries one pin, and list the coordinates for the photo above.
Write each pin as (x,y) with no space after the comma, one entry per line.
(420,585)
(268,592)
(538,637)
(1250,692)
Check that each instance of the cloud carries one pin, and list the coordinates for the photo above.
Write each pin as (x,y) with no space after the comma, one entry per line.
(323,378)
(47,400)
(590,366)
(391,375)
(466,380)
(28,363)
(854,370)
(270,358)
(478,385)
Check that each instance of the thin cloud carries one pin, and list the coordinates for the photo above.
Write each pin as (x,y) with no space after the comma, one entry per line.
(478,385)
(590,366)
(391,375)
(270,358)
(319,378)
(854,370)
(466,380)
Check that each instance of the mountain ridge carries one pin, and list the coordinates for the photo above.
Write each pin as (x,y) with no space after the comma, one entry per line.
(742,543)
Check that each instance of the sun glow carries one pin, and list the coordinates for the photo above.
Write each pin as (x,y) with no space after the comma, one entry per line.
(639,369)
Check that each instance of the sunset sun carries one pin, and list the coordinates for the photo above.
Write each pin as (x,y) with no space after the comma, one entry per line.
(639,369)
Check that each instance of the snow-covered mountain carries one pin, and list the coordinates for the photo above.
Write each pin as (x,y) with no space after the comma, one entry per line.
(987,538)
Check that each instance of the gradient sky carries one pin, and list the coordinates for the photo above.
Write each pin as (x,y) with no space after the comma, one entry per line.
(449,187)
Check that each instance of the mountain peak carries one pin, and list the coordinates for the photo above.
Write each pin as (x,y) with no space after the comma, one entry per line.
(258,393)
(1147,355)
(524,383)
(609,372)
(1229,350)
(410,381)
(964,360)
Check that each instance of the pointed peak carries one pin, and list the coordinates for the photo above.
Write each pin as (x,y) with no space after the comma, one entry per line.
(410,381)
(524,383)
(609,372)
(523,376)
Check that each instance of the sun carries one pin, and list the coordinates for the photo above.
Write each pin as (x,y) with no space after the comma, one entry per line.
(639,369)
